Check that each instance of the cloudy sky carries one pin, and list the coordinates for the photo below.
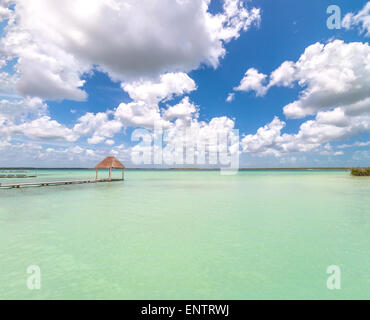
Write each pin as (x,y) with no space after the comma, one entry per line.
(76,79)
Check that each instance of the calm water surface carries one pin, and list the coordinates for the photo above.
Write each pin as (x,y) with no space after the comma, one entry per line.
(188,235)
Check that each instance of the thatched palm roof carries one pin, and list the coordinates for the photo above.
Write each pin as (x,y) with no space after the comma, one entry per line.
(110,162)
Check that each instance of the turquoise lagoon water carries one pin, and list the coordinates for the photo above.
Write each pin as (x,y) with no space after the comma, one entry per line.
(188,235)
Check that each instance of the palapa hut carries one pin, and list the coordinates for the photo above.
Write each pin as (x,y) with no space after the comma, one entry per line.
(110,163)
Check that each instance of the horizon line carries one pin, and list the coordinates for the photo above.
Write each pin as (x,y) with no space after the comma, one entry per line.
(184,168)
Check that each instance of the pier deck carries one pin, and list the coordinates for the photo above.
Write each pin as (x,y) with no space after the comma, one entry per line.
(55,183)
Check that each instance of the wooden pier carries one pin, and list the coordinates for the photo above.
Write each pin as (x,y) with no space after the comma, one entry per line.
(108,163)
(54,183)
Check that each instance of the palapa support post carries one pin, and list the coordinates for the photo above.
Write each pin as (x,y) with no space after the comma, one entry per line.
(110,174)
(96,176)
(123,174)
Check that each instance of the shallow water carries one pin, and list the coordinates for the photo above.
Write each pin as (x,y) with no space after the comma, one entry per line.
(188,235)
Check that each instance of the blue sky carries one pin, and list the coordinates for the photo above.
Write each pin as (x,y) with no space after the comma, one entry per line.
(284,30)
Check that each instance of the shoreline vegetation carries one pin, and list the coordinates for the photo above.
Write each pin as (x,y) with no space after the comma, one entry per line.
(360,172)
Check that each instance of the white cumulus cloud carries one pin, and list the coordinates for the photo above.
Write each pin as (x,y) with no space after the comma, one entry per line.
(129,40)
(253,81)
(331,75)
(360,19)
